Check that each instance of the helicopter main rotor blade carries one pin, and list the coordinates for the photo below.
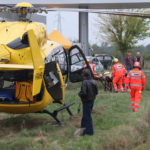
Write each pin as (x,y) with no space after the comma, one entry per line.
(15,17)
(107,12)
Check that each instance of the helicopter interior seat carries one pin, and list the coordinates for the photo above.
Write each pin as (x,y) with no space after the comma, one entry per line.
(7,95)
(19,43)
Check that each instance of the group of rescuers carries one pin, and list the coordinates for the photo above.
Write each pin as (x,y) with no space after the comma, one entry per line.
(134,81)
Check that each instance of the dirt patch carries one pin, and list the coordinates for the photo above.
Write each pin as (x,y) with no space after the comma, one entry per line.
(41,138)
(16,124)
(99,110)
(75,121)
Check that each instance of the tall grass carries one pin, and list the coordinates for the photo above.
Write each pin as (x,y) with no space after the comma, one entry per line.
(116,126)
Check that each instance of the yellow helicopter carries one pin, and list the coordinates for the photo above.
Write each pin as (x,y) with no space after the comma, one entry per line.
(36,65)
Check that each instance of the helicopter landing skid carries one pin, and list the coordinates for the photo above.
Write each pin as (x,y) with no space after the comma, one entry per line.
(55,112)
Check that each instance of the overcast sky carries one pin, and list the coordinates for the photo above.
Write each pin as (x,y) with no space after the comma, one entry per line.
(69,26)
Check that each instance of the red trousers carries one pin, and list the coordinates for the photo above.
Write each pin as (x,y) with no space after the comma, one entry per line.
(135,98)
(117,80)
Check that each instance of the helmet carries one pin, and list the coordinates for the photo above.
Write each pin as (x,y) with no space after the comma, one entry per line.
(137,65)
(115,60)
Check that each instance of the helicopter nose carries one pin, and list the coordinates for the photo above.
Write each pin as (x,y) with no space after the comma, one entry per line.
(4,54)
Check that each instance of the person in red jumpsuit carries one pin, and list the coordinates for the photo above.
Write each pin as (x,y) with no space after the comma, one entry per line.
(118,71)
(136,81)
(125,80)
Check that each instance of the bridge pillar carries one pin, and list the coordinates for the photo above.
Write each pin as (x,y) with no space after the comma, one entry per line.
(83,32)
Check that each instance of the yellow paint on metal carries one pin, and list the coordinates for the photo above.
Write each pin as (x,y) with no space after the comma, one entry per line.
(57,37)
(24,4)
(38,63)
(16,66)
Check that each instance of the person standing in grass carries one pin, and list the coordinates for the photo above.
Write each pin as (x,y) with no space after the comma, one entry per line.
(136,81)
(88,93)
(118,71)
(129,61)
(139,59)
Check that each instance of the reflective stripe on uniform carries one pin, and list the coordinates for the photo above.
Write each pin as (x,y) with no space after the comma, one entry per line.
(135,78)
(136,104)
(135,85)
(136,108)
(143,77)
(132,102)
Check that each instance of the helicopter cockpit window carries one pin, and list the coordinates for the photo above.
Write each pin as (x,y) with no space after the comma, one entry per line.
(77,61)
(19,43)
(58,55)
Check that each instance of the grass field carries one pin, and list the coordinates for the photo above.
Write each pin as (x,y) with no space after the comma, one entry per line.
(116,126)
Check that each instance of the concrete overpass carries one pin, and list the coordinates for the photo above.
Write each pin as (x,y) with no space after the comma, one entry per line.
(83,16)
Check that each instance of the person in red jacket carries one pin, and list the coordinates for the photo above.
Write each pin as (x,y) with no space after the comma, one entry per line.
(136,81)
(125,81)
(118,70)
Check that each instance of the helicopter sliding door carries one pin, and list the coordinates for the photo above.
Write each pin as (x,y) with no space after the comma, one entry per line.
(54,81)
(77,62)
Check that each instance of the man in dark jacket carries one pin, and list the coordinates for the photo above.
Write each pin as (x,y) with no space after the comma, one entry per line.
(139,59)
(87,94)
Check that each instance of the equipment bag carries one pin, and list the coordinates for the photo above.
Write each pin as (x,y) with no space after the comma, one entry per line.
(24,92)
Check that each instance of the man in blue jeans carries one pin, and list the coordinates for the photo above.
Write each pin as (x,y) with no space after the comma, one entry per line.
(87,94)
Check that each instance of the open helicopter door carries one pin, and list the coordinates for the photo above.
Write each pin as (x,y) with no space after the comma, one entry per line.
(77,62)
(54,81)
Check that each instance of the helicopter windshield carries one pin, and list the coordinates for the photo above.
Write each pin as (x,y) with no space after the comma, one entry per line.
(58,55)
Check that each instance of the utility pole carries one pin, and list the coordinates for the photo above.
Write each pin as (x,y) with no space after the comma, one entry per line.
(59,22)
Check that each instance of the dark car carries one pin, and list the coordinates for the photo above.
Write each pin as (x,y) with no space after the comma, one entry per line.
(105,59)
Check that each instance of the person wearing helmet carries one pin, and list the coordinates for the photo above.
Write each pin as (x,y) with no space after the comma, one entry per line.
(118,70)
(136,81)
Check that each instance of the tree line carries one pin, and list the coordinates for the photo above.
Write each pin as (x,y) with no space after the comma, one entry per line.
(123,33)
(104,48)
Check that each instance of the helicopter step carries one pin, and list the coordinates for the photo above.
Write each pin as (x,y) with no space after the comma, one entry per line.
(55,112)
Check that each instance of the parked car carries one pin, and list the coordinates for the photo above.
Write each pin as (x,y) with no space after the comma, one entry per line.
(105,59)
